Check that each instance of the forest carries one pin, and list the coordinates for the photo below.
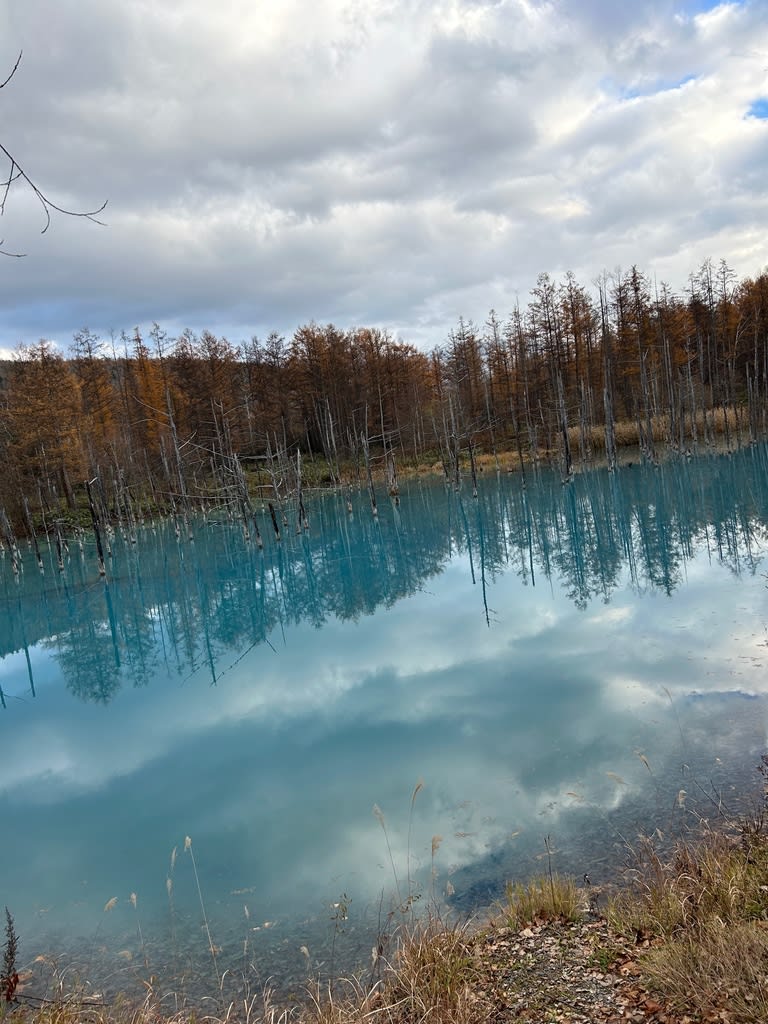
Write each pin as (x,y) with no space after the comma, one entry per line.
(159,423)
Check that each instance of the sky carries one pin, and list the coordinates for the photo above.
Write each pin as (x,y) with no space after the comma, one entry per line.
(392,163)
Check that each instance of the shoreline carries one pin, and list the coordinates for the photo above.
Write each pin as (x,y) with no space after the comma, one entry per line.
(551,952)
(318,477)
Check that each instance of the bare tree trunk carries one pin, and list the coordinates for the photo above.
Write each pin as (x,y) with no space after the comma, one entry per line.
(96,529)
(392,484)
(473,466)
(567,457)
(367,457)
(10,542)
(694,414)
(610,435)
(32,534)
(273,516)
(489,420)
(302,522)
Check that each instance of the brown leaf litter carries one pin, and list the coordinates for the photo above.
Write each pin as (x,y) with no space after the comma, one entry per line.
(557,972)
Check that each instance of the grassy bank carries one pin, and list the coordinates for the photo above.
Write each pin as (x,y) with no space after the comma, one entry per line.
(683,939)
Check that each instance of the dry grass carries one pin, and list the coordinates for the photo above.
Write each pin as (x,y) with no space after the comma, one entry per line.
(626,432)
(433,973)
(549,898)
(432,978)
(75,1009)
(717,878)
(507,460)
(719,972)
(704,917)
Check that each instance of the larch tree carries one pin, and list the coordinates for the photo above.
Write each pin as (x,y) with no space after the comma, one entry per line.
(97,394)
(42,420)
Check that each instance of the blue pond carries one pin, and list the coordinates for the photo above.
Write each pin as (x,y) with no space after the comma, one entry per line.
(579,664)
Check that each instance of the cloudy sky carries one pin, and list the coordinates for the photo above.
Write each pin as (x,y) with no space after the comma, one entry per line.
(389,162)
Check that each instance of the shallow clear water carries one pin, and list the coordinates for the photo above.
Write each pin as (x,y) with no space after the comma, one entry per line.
(581,662)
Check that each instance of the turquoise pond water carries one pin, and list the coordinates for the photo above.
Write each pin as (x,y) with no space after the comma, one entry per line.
(582,662)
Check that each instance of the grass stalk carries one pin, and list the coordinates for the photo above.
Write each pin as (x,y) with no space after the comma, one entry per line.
(548,847)
(172,920)
(377,813)
(247,915)
(135,904)
(411,896)
(211,948)
(436,841)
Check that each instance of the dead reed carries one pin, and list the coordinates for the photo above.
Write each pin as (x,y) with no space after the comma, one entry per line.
(432,977)
(702,915)
(211,947)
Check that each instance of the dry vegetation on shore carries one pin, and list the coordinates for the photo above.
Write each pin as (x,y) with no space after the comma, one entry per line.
(683,940)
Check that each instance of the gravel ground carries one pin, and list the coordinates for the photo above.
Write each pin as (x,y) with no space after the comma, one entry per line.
(561,973)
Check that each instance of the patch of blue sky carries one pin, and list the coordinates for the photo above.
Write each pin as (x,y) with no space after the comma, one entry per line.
(692,7)
(759,109)
(650,88)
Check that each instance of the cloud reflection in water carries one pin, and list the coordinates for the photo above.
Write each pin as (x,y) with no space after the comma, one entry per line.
(546,661)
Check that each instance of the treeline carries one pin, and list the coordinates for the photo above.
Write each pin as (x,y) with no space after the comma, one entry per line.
(578,371)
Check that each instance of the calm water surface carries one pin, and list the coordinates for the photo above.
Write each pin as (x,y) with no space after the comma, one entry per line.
(584,663)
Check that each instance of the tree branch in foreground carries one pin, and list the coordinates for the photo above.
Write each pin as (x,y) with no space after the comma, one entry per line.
(16,173)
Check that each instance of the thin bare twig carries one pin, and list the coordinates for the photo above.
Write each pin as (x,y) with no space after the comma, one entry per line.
(14,69)
(16,172)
